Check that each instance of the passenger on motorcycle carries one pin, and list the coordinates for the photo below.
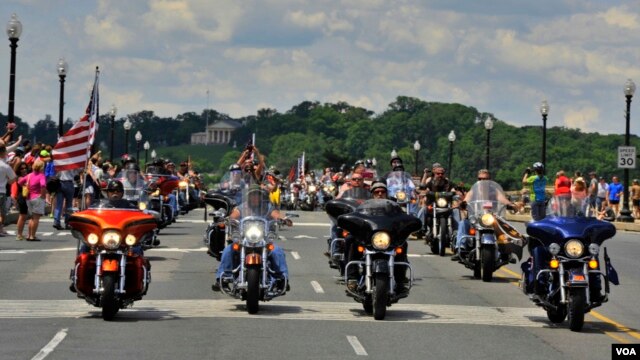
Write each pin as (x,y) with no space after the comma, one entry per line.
(252,164)
(464,225)
(378,191)
(257,200)
(356,181)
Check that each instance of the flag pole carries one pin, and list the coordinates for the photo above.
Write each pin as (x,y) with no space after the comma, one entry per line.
(90,147)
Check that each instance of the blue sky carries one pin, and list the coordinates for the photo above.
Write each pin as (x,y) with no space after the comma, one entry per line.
(502,57)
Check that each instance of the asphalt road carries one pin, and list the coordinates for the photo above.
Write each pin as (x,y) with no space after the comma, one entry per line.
(448,314)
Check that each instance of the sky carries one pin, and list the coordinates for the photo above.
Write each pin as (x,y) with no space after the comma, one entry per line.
(176,56)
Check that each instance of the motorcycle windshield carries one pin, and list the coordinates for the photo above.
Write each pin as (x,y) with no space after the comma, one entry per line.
(358,194)
(255,202)
(114,204)
(567,206)
(400,185)
(134,185)
(379,215)
(486,195)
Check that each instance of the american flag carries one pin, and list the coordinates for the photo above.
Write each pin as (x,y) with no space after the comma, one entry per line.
(73,149)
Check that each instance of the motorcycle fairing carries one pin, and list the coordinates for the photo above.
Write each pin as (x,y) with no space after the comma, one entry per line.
(561,229)
(378,215)
(220,201)
(96,221)
(335,208)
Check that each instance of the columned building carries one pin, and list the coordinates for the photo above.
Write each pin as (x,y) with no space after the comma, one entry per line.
(217,133)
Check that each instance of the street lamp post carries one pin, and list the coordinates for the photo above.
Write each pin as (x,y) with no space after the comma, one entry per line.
(14,29)
(153,154)
(488,124)
(62,74)
(127,127)
(112,113)
(416,147)
(146,147)
(625,213)
(138,137)
(544,111)
(452,138)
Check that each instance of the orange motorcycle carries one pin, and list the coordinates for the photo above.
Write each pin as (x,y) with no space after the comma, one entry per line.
(110,269)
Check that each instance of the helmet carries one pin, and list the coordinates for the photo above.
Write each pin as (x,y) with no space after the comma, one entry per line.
(395,158)
(358,162)
(538,166)
(378,185)
(368,163)
(234,167)
(132,166)
(115,185)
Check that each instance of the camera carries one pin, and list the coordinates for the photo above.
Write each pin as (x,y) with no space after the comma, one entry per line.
(527,171)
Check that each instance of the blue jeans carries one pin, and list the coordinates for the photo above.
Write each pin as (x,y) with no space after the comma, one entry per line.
(64,194)
(173,203)
(538,210)
(463,230)
(276,258)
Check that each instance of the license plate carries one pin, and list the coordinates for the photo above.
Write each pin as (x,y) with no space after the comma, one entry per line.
(577,277)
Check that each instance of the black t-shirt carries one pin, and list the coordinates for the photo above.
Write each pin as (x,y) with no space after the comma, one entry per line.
(439,186)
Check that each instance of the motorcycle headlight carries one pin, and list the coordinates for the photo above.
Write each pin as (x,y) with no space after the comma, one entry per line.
(312,188)
(401,196)
(142,206)
(253,232)
(111,239)
(554,249)
(183,184)
(92,239)
(594,249)
(442,202)
(381,240)
(487,220)
(130,240)
(156,193)
(574,248)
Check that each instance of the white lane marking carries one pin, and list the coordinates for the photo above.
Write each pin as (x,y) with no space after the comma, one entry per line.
(311,224)
(192,221)
(295,255)
(47,349)
(282,238)
(285,310)
(357,347)
(26,251)
(304,237)
(421,255)
(47,234)
(13,233)
(316,287)
(12,252)
(64,233)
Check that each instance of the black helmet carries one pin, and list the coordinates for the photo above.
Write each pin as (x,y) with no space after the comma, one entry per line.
(395,158)
(132,166)
(234,167)
(368,163)
(115,185)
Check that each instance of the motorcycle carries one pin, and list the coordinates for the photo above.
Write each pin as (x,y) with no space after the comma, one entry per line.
(329,191)
(439,212)
(491,242)
(218,232)
(309,199)
(110,274)
(400,186)
(160,187)
(336,241)
(380,229)
(566,279)
(253,277)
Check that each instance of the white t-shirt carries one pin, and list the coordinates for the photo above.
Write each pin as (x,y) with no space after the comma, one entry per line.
(602,189)
(6,174)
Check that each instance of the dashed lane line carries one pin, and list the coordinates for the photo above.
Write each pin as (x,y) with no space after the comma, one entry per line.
(47,349)
(316,287)
(295,255)
(356,345)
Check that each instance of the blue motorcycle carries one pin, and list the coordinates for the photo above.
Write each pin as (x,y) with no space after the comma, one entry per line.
(564,274)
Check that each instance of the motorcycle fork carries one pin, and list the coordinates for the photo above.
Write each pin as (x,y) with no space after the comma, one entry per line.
(564,286)
(369,271)
(99,274)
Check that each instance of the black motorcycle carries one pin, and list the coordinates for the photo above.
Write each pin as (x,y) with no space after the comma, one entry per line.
(217,234)
(565,281)
(379,229)
(438,214)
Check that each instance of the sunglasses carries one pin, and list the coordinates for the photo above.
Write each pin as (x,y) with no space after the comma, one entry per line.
(357,179)
(483,178)
(439,173)
(379,192)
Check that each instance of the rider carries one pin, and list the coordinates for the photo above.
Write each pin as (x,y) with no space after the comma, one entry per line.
(437,183)
(464,225)
(133,183)
(256,204)
(537,184)
(356,181)
(404,183)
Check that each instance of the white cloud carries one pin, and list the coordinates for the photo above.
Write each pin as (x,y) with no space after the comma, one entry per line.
(250,55)
(106,33)
(583,118)
(311,21)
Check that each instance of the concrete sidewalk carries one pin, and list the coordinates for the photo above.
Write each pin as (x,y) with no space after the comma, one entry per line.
(634,226)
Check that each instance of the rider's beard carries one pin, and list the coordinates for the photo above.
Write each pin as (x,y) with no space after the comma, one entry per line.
(438,182)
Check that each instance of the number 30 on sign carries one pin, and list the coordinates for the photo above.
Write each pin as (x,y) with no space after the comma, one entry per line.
(626,157)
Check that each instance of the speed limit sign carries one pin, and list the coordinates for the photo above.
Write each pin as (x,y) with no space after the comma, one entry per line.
(626,157)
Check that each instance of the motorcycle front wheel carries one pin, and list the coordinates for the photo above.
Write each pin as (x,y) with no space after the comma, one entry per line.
(253,290)
(380,296)
(577,304)
(488,263)
(443,236)
(108,299)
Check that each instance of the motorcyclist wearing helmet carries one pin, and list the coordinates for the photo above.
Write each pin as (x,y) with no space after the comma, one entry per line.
(399,180)
(536,184)
(133,182)
(256,203)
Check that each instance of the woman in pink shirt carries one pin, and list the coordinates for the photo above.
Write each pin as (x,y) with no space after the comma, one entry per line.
(37,185)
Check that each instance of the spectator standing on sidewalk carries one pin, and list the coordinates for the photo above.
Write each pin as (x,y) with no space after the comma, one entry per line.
(22,171)
(601,196)
(7,177)
(635,198)
(37,185)
(614,194)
